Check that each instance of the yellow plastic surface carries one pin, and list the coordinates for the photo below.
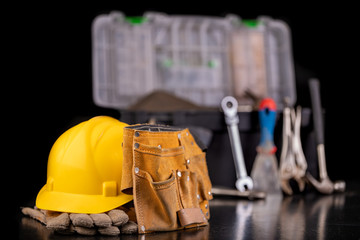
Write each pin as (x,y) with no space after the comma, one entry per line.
(84,169)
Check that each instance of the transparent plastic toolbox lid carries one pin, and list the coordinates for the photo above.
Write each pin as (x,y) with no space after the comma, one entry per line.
(198,58)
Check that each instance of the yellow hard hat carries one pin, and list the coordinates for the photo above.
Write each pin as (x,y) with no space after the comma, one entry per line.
(84,169)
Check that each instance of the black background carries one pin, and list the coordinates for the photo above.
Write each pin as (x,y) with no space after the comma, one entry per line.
(47,78)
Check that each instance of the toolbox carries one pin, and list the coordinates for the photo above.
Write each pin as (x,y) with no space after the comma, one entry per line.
(200,59)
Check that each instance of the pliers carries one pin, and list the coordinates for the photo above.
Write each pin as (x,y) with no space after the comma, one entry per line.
(292,160)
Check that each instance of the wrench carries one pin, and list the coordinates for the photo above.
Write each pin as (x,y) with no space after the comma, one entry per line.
(229,105)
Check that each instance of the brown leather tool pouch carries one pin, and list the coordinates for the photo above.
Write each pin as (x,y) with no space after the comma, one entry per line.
(166,171)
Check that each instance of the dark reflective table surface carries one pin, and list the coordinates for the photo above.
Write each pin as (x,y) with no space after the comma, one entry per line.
(306,216)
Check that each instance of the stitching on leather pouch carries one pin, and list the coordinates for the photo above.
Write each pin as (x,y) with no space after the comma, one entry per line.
(164,184)
(139,204)
(161,152)
(157,185)
(162,187)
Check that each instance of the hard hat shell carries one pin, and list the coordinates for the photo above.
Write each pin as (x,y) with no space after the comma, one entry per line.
(84,169)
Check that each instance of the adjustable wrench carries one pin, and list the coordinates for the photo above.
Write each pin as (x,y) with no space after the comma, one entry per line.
(229,105)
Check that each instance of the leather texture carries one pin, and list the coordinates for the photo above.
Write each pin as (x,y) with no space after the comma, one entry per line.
(166,171)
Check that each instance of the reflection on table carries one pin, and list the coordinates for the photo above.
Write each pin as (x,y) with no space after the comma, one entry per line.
(308,216)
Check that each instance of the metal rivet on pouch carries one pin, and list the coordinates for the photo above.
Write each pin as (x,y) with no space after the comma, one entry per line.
(179,135)
(159,146)
(206,206)
(209,193)
(136,170)
(179,173)
(207,214)
(142,228)
(137,134)
(188,178)
(198,196)
(187,134)
(188,161)
(136,145)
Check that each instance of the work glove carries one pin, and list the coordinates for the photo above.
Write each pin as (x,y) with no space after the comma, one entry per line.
(111,223)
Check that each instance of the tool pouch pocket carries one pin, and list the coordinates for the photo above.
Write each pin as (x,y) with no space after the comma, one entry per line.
(197,164)
(156,195)
(156,203)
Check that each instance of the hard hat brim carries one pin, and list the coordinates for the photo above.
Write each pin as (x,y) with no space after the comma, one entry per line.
(77,203)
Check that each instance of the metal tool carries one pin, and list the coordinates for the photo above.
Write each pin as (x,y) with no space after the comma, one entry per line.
(324,185)
(227,192)
(265,169)
(292,160)
(230,105)
(300,160)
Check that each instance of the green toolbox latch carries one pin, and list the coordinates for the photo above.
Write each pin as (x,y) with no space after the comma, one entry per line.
(136,20)
(251,23)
